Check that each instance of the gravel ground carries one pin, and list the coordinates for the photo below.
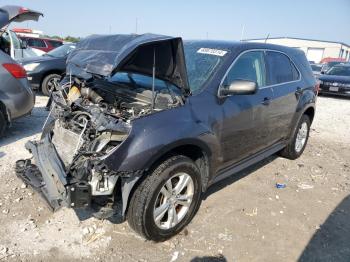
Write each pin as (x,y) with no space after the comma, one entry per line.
(243,218)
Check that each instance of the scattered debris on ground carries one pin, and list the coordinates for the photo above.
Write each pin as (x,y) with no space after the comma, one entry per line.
(243,218)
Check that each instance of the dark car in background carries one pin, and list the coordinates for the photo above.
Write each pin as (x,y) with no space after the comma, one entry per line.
(43,44)
(328,65)
(146,123)
(44,72)
(336,81)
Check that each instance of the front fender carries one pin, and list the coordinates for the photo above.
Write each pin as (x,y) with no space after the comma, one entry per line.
(155,135)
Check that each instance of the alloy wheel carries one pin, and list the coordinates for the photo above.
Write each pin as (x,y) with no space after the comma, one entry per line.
(301,137)
(52,84)
(173,201)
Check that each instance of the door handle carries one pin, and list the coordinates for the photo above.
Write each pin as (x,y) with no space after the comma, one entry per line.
(266,101)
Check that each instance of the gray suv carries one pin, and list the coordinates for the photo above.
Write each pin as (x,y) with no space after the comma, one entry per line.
(16,96)
(146,123)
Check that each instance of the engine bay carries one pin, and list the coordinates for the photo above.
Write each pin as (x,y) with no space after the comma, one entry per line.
(91,118)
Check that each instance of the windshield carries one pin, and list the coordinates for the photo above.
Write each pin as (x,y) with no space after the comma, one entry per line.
(330,64)
(137,81)
(200,63)
(339,71)
(316,68)
(61,51)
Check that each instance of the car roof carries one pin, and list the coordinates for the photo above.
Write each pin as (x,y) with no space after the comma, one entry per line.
(342,65)
(242,45)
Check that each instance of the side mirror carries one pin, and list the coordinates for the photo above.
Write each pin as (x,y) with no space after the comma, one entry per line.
(24,44)
(322,72)
(239,87)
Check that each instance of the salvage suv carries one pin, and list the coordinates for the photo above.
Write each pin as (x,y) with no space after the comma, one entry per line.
(144,124)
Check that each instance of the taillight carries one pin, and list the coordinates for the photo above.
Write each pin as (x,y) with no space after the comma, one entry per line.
(16,70)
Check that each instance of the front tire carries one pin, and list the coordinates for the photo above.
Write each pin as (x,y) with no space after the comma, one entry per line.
(299,140)
(48,84)
(166,200)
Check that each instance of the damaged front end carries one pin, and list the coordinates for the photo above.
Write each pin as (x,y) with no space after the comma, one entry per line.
(67,167)
(90,118)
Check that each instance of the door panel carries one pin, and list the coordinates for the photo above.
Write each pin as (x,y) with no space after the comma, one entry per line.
(285,82)
(283,107)
(245,127)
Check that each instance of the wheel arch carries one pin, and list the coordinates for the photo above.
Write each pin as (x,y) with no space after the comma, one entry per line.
(197,152)
(310,112)
(193,149)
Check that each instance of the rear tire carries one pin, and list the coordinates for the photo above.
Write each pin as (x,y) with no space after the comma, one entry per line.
(299,140)
(47,85)
(3,123)
(144,215)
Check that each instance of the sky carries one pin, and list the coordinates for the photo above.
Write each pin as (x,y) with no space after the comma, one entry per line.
(224,20)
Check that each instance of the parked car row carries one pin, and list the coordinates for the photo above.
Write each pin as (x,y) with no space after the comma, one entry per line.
(43,44)
(336,80)
(333,77)
(30,71)
(44,72)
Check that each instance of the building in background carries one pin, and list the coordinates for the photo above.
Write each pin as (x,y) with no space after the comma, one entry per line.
(315,50)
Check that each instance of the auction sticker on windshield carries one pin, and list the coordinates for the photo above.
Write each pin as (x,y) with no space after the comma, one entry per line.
(210,51)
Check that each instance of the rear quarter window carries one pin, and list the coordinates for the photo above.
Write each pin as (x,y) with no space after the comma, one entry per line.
(281,68)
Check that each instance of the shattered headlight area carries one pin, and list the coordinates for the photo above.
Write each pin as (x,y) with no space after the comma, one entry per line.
(83,128)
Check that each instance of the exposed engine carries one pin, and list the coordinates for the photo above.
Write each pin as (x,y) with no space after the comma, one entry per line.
(91,119)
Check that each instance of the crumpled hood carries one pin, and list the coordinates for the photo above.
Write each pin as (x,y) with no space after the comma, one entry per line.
(13,13)
(106,54)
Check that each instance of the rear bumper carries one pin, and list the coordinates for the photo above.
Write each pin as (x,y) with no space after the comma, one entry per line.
(47,176)
(341,91)
(20,100)
(34,80)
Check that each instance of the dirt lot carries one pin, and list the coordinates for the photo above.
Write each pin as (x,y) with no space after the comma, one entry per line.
(244,218)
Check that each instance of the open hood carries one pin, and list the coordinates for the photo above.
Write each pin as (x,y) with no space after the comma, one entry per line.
(106,54)
(13,13)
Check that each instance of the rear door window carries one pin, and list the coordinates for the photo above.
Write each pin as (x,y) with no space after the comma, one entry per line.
(249,66)
(281,69)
